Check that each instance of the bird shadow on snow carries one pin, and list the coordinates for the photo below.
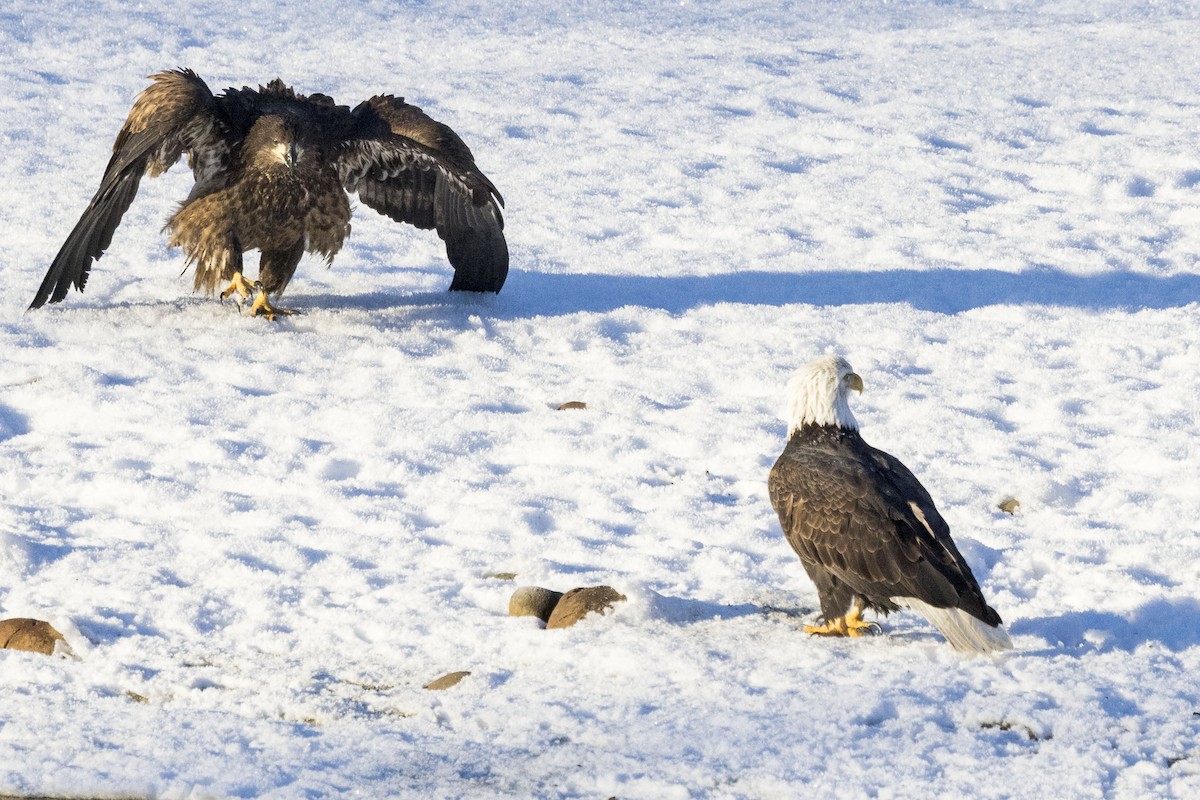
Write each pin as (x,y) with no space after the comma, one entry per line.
(947,291)
(1171,624)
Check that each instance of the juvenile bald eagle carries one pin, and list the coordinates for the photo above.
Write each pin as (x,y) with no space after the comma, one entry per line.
(866,531)
(272,169)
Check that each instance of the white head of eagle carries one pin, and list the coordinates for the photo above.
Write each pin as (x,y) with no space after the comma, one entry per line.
(818,394)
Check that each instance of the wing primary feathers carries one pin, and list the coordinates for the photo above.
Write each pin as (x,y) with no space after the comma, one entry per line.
(414,169)
(172,116)
(475,246)
(88,239)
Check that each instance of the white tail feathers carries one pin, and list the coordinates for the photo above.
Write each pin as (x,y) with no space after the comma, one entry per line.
(965,633)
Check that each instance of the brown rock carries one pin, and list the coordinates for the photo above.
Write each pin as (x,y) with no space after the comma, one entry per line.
(533,601)
(1009,506)
(29,634)
(578,603)
(446,681)
(570,404)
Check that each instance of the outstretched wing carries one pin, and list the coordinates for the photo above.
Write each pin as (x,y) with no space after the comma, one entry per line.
(870,523)
(174,115)
(414,169)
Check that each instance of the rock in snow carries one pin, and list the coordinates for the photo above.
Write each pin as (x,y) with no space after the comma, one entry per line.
(578,603)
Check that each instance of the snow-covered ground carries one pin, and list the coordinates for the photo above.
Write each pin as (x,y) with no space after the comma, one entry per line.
(263,539)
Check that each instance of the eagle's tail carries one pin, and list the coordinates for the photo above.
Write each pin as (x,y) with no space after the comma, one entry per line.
(965,632)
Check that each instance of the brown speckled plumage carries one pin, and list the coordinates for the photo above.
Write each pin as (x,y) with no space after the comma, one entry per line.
(272,168)
(280,210)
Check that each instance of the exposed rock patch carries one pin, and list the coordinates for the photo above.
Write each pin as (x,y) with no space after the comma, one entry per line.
(32,635)
(578,603)
(533,601)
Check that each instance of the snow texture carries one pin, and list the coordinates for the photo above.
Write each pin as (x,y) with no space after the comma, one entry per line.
(262,539)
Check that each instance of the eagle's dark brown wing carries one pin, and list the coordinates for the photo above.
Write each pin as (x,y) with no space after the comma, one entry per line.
(932,533)
(174,115)
(414,169)
(864,518)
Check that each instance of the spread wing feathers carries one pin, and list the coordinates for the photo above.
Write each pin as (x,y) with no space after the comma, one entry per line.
(869,523)
(414,169)
(175,115)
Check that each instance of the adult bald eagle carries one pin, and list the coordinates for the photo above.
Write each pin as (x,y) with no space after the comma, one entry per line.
(866,531)
(272,169)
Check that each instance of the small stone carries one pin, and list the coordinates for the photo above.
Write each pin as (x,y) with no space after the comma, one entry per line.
(446,681)
(571,404)
(533,601)
(501,576)
(32,635)
(578,603)
(1009,506)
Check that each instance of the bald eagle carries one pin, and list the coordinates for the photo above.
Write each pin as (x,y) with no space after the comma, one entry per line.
(866,531)
(272,170)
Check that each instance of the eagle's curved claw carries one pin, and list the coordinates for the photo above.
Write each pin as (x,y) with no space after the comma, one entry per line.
(238,284)
(262,306)
(852,624)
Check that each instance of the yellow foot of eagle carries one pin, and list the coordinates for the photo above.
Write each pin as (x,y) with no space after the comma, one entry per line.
(261,306)
(238,284)
(850,625)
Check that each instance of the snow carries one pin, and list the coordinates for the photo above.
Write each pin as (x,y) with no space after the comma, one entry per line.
(262,539)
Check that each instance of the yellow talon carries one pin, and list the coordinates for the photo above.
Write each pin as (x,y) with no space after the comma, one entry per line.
(238,284)
(850,625)
(262,307)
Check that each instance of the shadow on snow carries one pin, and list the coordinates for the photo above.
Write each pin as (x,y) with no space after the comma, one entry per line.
(945,291)
(1171,624)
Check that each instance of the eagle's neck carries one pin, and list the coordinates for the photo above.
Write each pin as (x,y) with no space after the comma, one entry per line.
(812,433)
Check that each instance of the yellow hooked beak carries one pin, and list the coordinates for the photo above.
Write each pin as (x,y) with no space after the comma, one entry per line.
(854,382)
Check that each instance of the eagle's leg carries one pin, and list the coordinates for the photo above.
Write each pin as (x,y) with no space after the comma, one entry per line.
(233,273)
(852,624)
(275,269)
